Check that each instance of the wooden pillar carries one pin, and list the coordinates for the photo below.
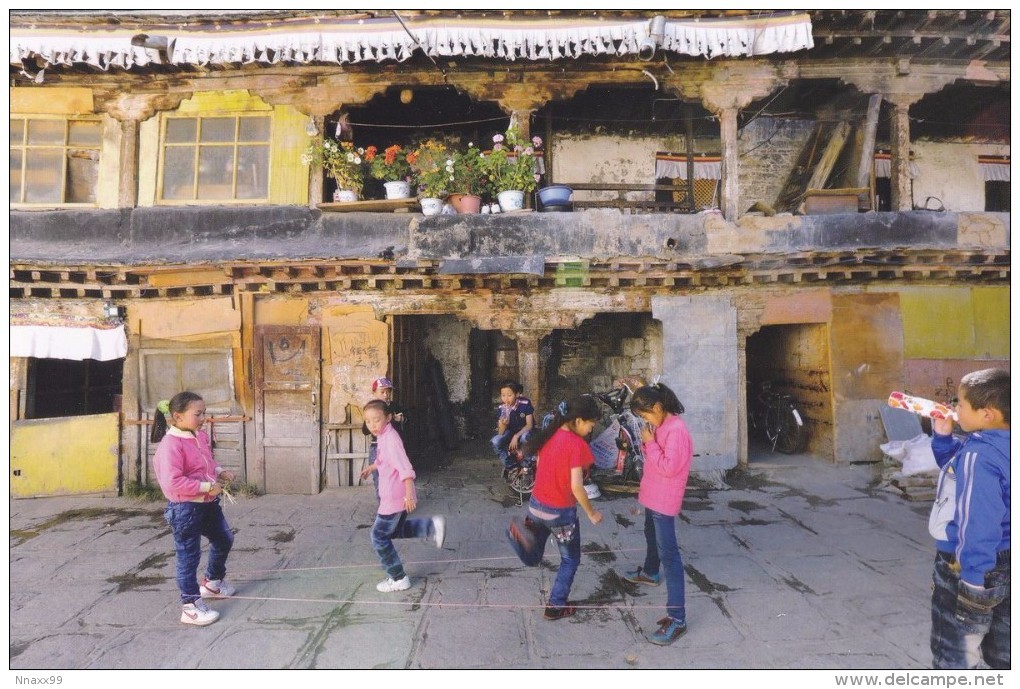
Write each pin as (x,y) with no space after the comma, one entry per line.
(528,363)
(902,193)
(315,172)
(730,167)
(127,190)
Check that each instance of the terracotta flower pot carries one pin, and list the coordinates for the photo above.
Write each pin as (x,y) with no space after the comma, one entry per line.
(465,203)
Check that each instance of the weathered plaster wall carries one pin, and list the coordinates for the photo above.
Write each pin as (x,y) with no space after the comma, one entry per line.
(769,148)
(948,332)
(700,364)
(950,172)
(867,364)
(447,339)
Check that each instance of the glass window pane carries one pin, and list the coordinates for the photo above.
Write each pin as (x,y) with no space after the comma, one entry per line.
(82,176)
(252,172)
(84,133)
(253,129)
(179,173)
(16,158)
(17,132)
(43,176)
(181,130)
(46,132)
(218,129)
(215,172)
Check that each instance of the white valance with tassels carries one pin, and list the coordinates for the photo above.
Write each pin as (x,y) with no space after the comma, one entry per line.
(343,41)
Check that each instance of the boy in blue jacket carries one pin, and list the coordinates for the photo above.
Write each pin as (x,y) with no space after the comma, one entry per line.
(970,599)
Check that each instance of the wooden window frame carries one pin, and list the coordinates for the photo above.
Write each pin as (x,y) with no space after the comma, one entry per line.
(235,144)
(66,147)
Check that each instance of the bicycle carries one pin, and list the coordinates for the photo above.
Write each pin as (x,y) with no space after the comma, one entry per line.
(775,415)
(630,457)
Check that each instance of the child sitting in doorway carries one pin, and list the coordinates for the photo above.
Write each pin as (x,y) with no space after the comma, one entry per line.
(514,424)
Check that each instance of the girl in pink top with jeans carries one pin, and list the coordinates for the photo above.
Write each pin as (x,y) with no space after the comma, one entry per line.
(668,453)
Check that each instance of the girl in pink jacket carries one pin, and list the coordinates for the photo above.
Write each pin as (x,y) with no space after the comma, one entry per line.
(668,453)
(190,480)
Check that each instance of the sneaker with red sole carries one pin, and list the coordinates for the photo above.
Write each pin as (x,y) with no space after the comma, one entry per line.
(216,588)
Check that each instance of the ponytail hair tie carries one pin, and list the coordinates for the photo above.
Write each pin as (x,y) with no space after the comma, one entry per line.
(562,408)
(163,406)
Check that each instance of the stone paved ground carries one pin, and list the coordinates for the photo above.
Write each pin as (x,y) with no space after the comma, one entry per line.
(794,564)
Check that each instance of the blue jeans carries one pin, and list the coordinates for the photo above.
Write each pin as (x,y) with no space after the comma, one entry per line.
(960,639)
(189,521)
(501,446)
(563,525)
(662,548)
(390,526)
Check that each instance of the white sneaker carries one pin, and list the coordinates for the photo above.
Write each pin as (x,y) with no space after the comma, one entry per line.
(216,588)
(439,525)
(389,586)
(198,613)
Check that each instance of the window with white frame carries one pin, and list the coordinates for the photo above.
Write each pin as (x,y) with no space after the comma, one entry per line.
(215,158)
(54,160)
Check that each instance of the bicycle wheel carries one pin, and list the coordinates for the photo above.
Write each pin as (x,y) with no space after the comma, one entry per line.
(522,480)
(792,436)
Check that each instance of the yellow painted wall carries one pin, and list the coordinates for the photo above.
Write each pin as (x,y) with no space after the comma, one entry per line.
(955,322)
(288,183)
(51,101)
(74,455)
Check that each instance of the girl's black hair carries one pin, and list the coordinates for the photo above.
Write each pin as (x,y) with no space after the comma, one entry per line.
(178,404)
(381,405)
(579,407)
(513,385)
(647,396)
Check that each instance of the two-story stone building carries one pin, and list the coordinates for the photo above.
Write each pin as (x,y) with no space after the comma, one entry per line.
(818,198)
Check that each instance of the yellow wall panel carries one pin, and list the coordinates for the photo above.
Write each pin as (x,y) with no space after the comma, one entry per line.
(239,100)
(991,322)
(938,322)
(51,101)
(955,322)
(72,455)
(288,181)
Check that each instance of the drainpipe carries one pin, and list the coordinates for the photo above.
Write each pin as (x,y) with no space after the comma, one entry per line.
(656,32)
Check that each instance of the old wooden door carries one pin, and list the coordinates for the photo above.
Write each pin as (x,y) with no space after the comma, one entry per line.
(287,407)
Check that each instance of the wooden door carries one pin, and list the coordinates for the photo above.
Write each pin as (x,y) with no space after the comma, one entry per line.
(287,366)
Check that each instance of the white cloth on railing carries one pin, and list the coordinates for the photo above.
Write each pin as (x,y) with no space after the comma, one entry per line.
(344,40)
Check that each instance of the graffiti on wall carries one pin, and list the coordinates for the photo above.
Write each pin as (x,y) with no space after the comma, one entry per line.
(358,355)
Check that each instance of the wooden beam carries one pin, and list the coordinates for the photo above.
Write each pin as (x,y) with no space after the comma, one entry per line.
(828,159)
(866,162)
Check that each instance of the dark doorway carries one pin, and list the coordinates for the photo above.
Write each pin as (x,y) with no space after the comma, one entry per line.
(62,387)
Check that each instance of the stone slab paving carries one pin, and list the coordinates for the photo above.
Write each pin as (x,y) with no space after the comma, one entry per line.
(794,564)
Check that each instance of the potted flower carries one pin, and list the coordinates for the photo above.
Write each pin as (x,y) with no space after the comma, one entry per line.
(393,168)
(467,179)
(512,167)
(342,162)
(429,163)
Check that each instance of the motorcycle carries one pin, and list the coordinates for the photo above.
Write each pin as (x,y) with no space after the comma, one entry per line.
(618,450)
(775,416)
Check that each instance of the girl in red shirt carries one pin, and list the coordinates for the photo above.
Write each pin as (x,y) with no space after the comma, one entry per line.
(563,457)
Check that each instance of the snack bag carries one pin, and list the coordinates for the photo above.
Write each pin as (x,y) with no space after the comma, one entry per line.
(921,406)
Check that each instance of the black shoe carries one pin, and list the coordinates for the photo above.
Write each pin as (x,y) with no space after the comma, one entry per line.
(558,613)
